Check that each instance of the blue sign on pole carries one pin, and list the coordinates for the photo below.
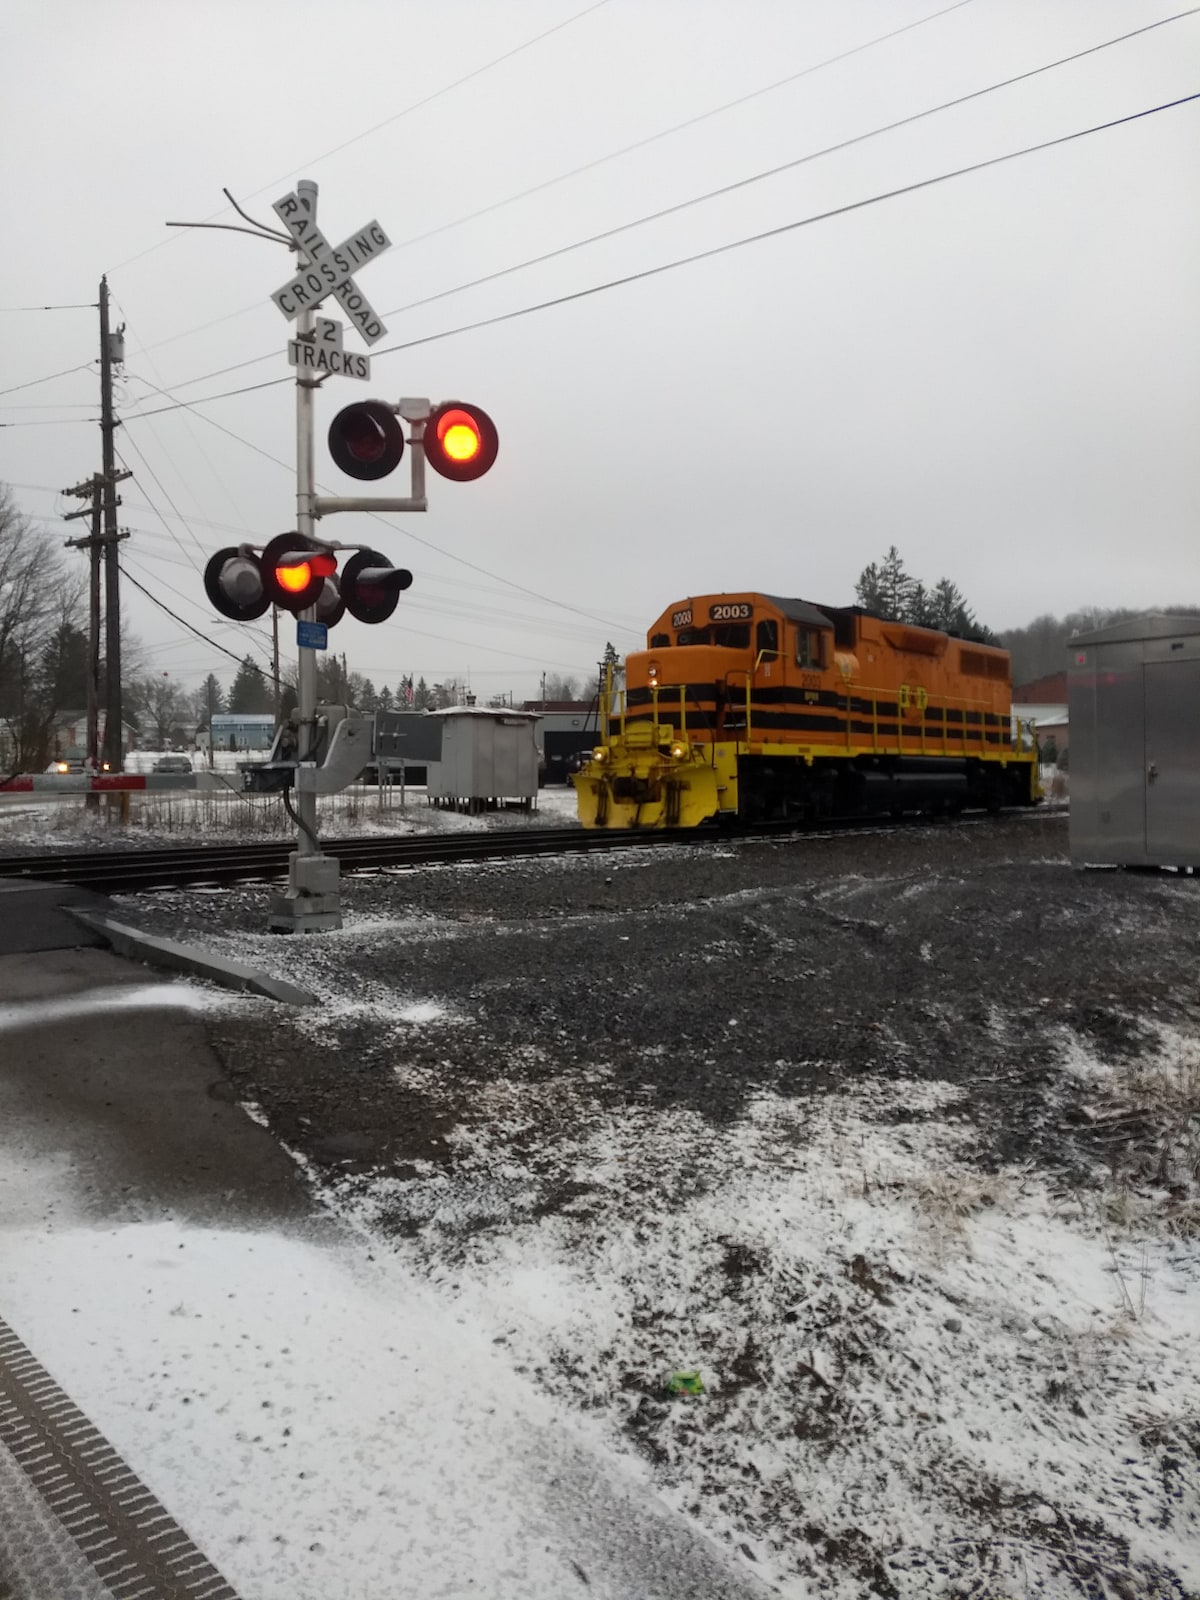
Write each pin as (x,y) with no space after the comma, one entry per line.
(312,635)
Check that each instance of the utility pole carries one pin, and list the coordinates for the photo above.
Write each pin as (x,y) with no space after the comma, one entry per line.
(114,743)
(93,545)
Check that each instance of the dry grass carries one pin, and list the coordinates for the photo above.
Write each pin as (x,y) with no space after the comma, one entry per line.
(220,813)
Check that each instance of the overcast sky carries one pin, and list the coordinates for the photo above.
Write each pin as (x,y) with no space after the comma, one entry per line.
(998,373)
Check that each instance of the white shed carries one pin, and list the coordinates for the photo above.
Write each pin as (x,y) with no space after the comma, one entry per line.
(489,759)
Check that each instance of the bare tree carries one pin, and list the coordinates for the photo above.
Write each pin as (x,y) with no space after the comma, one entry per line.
(561,687)
(158,704)
(39,595)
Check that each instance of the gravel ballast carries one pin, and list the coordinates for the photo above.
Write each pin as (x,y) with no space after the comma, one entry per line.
(834,1122)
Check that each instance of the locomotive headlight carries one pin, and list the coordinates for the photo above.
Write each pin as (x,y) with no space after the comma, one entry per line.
(652,670)
(600,753)
(678,751)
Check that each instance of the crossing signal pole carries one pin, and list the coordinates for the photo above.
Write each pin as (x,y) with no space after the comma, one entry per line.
(298,571)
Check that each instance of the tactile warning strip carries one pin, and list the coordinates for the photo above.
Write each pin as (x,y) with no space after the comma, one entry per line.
(136,1549)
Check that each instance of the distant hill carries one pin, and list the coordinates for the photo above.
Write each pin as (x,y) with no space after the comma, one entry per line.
(1040,649)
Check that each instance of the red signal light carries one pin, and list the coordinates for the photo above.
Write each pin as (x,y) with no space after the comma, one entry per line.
(461,441)
(295,571)
(294,579)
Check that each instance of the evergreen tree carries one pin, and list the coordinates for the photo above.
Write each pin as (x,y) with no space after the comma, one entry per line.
(422,696)
(386,700)
(250,693)
(333,681)
(63,670)
(886,589)
(208,700)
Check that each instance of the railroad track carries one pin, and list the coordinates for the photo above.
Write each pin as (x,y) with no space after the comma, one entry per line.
(130,871)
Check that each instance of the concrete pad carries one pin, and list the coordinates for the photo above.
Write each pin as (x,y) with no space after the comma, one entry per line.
(196,963)
(108,1083)
(37,916)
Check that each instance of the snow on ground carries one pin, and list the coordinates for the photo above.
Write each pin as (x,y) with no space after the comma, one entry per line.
(953,1382)
(169,817)
(944,1369)
(323,1422)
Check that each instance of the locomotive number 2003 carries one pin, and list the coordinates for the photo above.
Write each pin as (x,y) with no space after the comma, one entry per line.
(730,613)
(681,619)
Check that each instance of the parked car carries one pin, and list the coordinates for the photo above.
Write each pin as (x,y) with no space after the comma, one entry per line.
(172,764)
(75,764)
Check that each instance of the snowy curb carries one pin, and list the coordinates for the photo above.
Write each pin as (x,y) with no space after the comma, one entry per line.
(199,963)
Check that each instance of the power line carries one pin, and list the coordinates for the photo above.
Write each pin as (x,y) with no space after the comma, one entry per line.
(49,378)
(183,550)
(192,434)
(271,383)
(83,305)
(690,260)
(678,127)
(788,166)
(416,106)
(783,228)
(730,188)
(49,422)
(125,573)
(599,161)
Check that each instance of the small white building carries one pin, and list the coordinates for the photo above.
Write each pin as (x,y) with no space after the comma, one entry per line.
(489,759)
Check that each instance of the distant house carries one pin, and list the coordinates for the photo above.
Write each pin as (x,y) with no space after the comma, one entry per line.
(1044,701)
(68,735)
(242,731)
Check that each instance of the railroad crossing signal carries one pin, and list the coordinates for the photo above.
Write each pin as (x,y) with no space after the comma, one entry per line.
(460,440)
(296,573)
(370,588)
(329,267)
(321,352)
(366,440)
(233,582)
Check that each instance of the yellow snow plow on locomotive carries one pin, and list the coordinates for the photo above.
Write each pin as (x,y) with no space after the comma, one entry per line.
(755,708)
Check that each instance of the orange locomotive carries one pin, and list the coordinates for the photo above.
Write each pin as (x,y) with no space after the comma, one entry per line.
(753,707)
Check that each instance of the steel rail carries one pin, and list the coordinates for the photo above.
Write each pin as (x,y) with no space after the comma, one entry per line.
(127,871)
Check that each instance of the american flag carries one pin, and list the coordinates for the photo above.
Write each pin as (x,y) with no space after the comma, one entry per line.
(406,691)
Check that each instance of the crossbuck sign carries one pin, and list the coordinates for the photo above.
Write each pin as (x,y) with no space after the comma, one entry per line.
(329,268)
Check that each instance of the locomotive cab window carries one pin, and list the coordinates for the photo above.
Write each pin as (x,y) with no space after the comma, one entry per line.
(766,639)
(662,641)
(729,635)
(809,651)
(732,635)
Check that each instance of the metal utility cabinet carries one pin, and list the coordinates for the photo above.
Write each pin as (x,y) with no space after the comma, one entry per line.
(489,757)
(1134,713)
